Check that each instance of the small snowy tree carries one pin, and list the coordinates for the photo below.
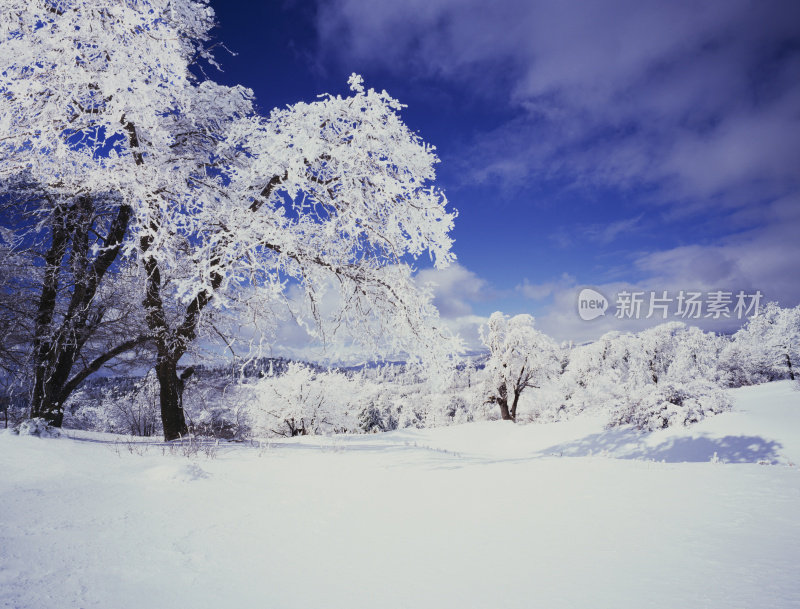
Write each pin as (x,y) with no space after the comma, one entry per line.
(520,357)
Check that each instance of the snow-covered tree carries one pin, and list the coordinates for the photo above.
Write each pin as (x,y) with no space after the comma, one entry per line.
(95,100)
(66,323)
(105,98)
(520,357)
(330,196)
(696,354)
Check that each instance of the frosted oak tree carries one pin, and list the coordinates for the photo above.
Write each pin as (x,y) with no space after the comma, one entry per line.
(102,97)
(520,357)
(335,195)
(99,110)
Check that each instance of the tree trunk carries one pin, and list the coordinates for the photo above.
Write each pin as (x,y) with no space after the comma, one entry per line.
(789,364)
(172,343)
(41,399)
(57,347)
(502,401)
(514,406)
(504,412)
(171,396)
(47,391)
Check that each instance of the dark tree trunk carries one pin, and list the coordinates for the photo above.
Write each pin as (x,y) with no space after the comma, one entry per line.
(171,397)
(46,402)
(169,352)
(504,412)
(789,364)
(514,406)
(502,402)
(41,399)
(57,347)
(172,343)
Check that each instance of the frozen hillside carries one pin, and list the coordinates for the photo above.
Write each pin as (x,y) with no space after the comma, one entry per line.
(478,515)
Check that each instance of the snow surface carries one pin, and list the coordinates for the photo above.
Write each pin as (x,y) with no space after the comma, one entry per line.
(477,515)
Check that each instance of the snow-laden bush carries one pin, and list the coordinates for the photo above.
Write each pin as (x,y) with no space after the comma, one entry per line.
(671,404)
(413,397)
(667,375)
(377,416)
(126,408)
(219,422)
(304,401)
(766,348)
(218,407)
(37,427)
(458,409)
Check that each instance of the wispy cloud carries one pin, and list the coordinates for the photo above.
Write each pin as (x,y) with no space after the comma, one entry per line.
(456,290)
(690,109)
(542,291)
(698,98)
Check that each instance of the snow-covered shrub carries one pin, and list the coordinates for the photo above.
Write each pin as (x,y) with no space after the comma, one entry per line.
(377,416)
(130,406)
(81,413)
(410,414)
(37,427)
(433,398)
(304,401)
(218,407)
(458,409)
(219,422)
(663,376)
(140,413)
(666,375)
(671,404)
(765,349)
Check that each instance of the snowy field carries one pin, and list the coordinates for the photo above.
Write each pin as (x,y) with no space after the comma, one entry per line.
(479,515)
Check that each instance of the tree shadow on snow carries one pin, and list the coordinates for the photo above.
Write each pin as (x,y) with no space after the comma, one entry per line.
(632,444)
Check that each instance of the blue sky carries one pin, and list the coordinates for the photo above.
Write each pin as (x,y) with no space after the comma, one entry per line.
(632,145)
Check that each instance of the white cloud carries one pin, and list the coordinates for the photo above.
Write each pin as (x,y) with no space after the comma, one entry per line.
(763,259)
(455,290)
(689,108)
(541,291)
(697,98)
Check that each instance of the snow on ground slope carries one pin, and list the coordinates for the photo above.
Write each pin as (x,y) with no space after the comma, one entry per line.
(764,427)
(479,515)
